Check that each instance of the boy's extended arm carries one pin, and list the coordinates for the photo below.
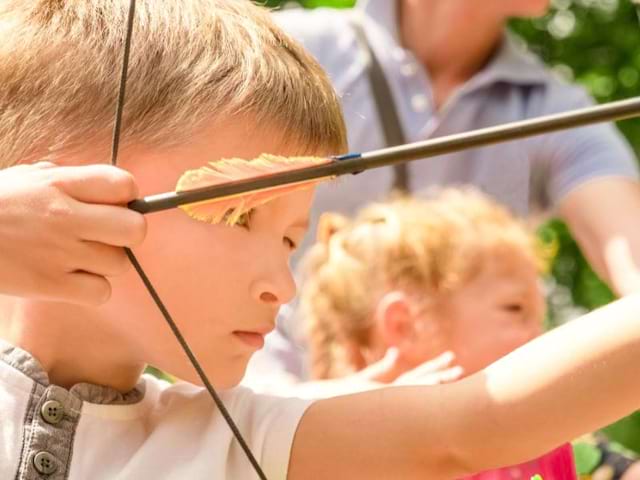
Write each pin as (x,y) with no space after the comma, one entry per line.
(574,379)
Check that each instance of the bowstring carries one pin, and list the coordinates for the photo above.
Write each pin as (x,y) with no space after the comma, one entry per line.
(143,276)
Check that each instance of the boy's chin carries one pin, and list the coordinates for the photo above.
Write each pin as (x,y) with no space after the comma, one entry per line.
(223,381)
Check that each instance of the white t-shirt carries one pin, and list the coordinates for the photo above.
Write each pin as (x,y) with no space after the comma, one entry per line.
(170,432)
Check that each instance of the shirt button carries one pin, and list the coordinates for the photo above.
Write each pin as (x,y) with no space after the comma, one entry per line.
(52,412)
(45,463)
(399,54)
(419,103)
(409,69)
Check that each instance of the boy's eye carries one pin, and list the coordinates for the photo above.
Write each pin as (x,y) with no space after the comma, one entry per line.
(290,243)
(243,220)
(513,308)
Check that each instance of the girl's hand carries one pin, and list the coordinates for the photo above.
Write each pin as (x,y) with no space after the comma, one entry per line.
(62,230)
(434,372)
(391,369)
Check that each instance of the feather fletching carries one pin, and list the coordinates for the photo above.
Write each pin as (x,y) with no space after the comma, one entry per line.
(230,209)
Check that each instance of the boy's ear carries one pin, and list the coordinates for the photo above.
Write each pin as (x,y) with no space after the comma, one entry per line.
(328,225)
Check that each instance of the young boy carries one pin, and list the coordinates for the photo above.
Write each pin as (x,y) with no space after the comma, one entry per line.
(212,79)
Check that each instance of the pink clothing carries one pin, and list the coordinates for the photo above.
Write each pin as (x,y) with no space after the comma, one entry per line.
(555,465)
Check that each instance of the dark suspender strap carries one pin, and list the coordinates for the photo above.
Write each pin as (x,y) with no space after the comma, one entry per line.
(385,106)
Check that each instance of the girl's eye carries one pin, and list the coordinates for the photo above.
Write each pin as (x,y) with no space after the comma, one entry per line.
(290,243)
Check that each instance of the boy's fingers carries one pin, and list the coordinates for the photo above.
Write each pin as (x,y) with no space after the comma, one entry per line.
(96,184)
(117,226)
(85,289)
(104,260)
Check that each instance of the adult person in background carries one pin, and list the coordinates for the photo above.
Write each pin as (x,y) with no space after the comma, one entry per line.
(408,70)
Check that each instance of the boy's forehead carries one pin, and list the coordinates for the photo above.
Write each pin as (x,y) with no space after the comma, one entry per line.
(294,208)
(158,169)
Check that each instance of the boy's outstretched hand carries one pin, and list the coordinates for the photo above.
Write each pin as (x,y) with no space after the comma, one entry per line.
(62,230)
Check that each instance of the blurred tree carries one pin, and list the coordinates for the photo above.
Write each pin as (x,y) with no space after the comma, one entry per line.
(597,44)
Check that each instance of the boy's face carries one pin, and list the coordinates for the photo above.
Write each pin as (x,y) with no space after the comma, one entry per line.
(222,285)
(497,311)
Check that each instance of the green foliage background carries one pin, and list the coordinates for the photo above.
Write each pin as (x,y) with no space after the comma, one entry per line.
(595,43)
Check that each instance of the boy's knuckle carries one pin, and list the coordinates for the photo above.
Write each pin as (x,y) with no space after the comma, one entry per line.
(122,183)
(58,210)
(138,230)
(100,292)
(54,177)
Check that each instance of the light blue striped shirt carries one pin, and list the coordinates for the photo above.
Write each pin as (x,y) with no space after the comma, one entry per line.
(515,85)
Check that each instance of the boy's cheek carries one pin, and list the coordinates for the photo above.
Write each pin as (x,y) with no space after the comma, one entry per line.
(180,251)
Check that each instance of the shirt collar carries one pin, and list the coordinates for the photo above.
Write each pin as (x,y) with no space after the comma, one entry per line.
(512,63)
(29,366)
(382,12)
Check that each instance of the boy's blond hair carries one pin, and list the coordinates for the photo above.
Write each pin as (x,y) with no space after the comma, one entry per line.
(422,247)
(192,62)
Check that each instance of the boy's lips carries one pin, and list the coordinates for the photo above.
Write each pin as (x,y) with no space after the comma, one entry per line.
(254,338)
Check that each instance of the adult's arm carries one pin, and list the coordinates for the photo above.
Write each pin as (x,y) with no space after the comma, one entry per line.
(590,176)
(603,216)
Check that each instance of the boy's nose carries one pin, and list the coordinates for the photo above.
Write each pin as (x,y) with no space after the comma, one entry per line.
(278,288)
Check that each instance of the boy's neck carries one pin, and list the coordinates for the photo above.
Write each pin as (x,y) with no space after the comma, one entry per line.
(451,46)
(69,343)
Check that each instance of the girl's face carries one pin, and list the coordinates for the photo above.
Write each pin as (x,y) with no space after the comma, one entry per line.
(497,311)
